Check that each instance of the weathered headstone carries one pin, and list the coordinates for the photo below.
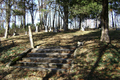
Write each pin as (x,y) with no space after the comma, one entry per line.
(15,33)
(36,29)
(50,29)
(82,28)
(46,28)
(25,32)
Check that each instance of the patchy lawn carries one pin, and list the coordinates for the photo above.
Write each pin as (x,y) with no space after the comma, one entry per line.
(94,60)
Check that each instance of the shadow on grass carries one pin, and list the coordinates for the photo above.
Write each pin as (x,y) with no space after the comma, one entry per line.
(4,49)
(14,74)
(89,68)
(3,73)
(89,71)
(101,53)
(102,64)
(88,37)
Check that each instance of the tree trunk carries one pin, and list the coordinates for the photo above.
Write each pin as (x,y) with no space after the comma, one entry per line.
(75,22)
(96,24)
(79,23)
(50,21)
(58,21)
(65,18)
(61,23)
(7,20)
(15,20)
(24,21)
(21,24)
(32,17)
(54,21)
(32,14)
(24,10)
(104,18)
(39,6)
(112,19)
(6,29)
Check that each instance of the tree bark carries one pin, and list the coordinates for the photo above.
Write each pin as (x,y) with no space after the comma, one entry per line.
(79,23)
(7,20)
(50,21)
(32,13)
(58,21)
(39,7)
(104,18)
(112,19)
(65,18)
(54,21)
(23,21)
(24,11)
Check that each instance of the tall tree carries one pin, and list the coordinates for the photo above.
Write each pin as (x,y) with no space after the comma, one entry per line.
(32,8)
(104,20)
(114,4)
(84,8)
(9,4)
(22,10)
(53,5)
(24,6)
(39,9)
(65,7)
(15,7)
(2,20)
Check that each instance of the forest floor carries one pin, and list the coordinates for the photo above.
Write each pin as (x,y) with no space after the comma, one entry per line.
(95,59)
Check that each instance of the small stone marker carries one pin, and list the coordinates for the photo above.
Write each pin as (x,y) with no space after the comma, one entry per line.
(36,29)
(25,32)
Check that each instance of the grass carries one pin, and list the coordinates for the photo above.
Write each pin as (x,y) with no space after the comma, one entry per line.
(94,57)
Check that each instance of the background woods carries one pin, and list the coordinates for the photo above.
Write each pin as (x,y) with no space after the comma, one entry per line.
(95,23)
(58,14)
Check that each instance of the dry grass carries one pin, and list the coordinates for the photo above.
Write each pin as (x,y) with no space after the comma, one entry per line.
(86,56)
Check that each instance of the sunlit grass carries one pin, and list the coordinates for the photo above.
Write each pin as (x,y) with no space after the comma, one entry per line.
(86,56)
(7,55)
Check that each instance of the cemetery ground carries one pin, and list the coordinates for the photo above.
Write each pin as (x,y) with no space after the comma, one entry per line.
(94,59)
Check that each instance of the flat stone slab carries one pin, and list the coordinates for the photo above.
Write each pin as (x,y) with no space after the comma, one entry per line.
(42,59)
(38,68)
(49,54)
(59,47)
(49,50)
(44,64)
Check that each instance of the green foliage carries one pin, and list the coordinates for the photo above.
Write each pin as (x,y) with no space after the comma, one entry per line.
(18,12)
(2,31)
(20,4)
(85,7)
(44,10)
(63,2)
(14,26)
(38,24)
(114,4)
